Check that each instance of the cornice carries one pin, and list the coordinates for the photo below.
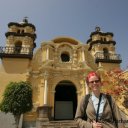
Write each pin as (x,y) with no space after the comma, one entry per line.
(22,25)
(33,36)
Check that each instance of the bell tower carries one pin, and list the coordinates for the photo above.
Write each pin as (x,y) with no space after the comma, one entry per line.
(102,49)
(20,44)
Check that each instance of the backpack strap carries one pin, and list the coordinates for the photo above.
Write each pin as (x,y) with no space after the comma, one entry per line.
(110,103)
(97,113)
(85,106)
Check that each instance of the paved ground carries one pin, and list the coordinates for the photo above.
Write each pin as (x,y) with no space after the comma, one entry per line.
(6,121)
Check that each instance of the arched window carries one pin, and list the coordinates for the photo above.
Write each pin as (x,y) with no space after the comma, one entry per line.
(18,46)
(65,57)
(18,31)
(106,53)
(22,31)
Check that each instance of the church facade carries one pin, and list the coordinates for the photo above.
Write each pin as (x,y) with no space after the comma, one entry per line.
(57,69)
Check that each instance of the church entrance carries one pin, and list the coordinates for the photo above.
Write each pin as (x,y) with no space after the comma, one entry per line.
(65,101)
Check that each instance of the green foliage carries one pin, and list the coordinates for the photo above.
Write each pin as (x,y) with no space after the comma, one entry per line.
(17,98)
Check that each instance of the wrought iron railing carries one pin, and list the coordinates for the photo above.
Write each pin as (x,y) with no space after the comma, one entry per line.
(107,57)
(9,51)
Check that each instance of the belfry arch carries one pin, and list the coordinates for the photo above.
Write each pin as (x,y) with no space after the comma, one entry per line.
(65,100)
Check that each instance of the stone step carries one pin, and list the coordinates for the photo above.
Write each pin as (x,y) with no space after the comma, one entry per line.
(60,124)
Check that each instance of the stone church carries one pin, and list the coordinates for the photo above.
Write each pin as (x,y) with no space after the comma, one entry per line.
(56,70)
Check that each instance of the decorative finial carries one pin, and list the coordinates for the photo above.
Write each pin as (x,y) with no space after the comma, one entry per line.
(97,29)
(25,20)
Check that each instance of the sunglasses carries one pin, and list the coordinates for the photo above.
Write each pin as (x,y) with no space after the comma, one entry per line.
(95,81)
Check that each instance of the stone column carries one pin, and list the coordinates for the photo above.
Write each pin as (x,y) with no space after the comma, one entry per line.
(45,92)
(44,112)
(87,88)
(83,55)
(47,53)
(74,59)
(85,83)
(75,55)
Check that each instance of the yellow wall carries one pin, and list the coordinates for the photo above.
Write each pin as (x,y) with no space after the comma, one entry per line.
(5,78)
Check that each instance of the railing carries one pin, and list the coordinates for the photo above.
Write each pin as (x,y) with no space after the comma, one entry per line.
(24,52)
(107,57)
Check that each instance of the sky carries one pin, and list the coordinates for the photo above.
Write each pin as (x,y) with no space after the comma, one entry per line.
(71,18)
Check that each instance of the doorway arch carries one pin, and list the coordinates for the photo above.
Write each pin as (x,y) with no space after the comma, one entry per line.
(65,102)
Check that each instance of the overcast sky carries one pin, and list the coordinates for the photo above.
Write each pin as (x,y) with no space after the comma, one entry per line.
(72,18)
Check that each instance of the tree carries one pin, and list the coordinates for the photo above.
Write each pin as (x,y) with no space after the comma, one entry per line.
(17,99)
(116,84)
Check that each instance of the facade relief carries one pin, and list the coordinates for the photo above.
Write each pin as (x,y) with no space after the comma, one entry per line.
(57,69)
